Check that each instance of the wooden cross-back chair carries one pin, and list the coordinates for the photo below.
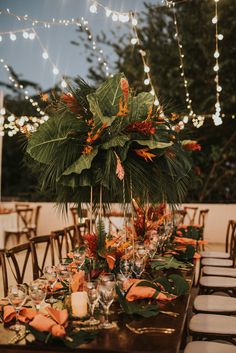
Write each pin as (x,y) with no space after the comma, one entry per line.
(4,273)
(191,213)
(179,217)
(46,254)
(74,235)
(75,216)
(15,256)
(61,246)
(33,226)
(202,222)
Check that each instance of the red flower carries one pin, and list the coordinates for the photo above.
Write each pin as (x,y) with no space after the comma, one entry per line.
(71,102)
(192,146)
(144,127)
(92,244)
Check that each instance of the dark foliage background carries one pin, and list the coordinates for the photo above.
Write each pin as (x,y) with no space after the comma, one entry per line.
(214,168)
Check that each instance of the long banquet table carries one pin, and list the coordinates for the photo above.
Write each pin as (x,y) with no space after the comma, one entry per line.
(121,339)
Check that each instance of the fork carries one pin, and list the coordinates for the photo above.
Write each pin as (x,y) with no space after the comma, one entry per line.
(143,330)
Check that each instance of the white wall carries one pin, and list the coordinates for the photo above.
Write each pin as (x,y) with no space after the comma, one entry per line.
(51,218)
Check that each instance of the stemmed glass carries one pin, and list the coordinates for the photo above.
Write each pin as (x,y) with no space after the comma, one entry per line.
(17,295)
(93,296)
(106,290)
(79,257)
(38,292)
(64,274)
(50,272)
(126,268)
(152,248)
(138,266)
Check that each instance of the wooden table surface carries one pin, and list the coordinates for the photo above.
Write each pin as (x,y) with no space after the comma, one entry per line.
(120,339)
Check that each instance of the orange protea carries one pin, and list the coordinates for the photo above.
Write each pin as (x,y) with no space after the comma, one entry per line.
(44,97)
(123,109)
(124,85)
(144,153)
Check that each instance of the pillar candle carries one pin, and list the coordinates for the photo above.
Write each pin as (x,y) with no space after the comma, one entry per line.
(79,304)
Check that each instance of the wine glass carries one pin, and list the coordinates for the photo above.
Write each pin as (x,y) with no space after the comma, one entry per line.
(93,296)
(17,295)
(38,292)
(138,266)
(126,268)
(79,255)
(152,248)
(106,290)
(50,272)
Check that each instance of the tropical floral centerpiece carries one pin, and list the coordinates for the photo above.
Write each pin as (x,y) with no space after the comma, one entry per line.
(110,138)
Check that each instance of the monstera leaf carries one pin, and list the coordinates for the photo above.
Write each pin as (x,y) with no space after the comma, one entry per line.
(152,144)
(98,116)
(117,141)
(139,106)
(84,162)
(109,94)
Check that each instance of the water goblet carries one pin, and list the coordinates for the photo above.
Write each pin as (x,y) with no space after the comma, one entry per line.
(106,290)
(79,257)
(38,292)
(126,268)
(50,272)
(93,297)
(138,266)
(17,295)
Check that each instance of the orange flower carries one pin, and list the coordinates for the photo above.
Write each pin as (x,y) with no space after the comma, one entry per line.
(123,109)
(111,261)
(124,85)
(191,145)
(143,152)
(87,149)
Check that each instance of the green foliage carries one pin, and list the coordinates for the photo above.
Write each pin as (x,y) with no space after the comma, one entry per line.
(186,255)
(75,153)
(167,262)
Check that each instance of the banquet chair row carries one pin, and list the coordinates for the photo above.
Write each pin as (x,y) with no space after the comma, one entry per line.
(29,259)
(26,226)
(214,318)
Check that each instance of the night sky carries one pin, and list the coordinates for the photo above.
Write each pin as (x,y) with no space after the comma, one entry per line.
(25,55)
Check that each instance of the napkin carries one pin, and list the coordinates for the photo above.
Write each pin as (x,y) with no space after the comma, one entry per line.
(25,314)
(77,282)
(142,292)
(55,324)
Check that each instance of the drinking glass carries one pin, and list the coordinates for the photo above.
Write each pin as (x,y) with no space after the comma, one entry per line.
(38,292)
(126,268)
(17,295)
(152,248)
(93,296)
(106,290)
(79,257)
(138,266)
(50,272)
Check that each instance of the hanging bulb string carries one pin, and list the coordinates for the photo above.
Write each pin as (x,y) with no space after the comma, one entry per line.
(148,80)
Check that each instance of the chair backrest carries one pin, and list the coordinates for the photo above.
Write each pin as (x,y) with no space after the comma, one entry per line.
(230,241)
(42,253)
(75,215)
(61,245)
(4,273)
(191,214)
(21,206)
(36,215)
(202,217)
(179,217)
(74,235)
(24,218)
(19,259)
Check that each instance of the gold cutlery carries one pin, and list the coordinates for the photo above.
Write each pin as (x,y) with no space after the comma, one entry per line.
(143,330)
(169,313)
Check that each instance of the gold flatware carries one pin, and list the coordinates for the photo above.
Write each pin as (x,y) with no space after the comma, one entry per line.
(18,337)
(169,313)
(143,330)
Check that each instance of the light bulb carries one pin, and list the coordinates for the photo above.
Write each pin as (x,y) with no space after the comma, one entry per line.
(45,55)
(146,81)
(156,102)
(123,18)
(185,119)
(26,35)
(216,54)
(13,36)
(63,84)
(32,35)
(220,36)
(55,71)
(108,12)
(93,8)
(134,41)
(216,68)
(152,92)
(214,20)
(146,68)
(134,21)
(0,38)
(114,17)
(219,88)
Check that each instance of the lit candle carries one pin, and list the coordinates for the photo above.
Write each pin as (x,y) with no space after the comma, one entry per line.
(79,304)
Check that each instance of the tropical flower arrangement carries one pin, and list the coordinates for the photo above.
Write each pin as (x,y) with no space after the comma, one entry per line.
(112,139)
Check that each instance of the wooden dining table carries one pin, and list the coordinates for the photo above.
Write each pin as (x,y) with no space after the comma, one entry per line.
(121,339)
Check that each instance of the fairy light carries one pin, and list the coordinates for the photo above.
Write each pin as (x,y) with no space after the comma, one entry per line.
(17,85)
(217,115)
(122,17)
(146,68)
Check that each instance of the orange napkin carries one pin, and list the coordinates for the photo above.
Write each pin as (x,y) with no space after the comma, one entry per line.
(56,324)
(57,286)
(186,241)
(77,282)
(142,292)
(25,314)
(197,255)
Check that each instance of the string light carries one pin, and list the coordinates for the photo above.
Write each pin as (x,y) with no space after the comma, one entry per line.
(17,85)
(148,80)
(217,115)
(122,17)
